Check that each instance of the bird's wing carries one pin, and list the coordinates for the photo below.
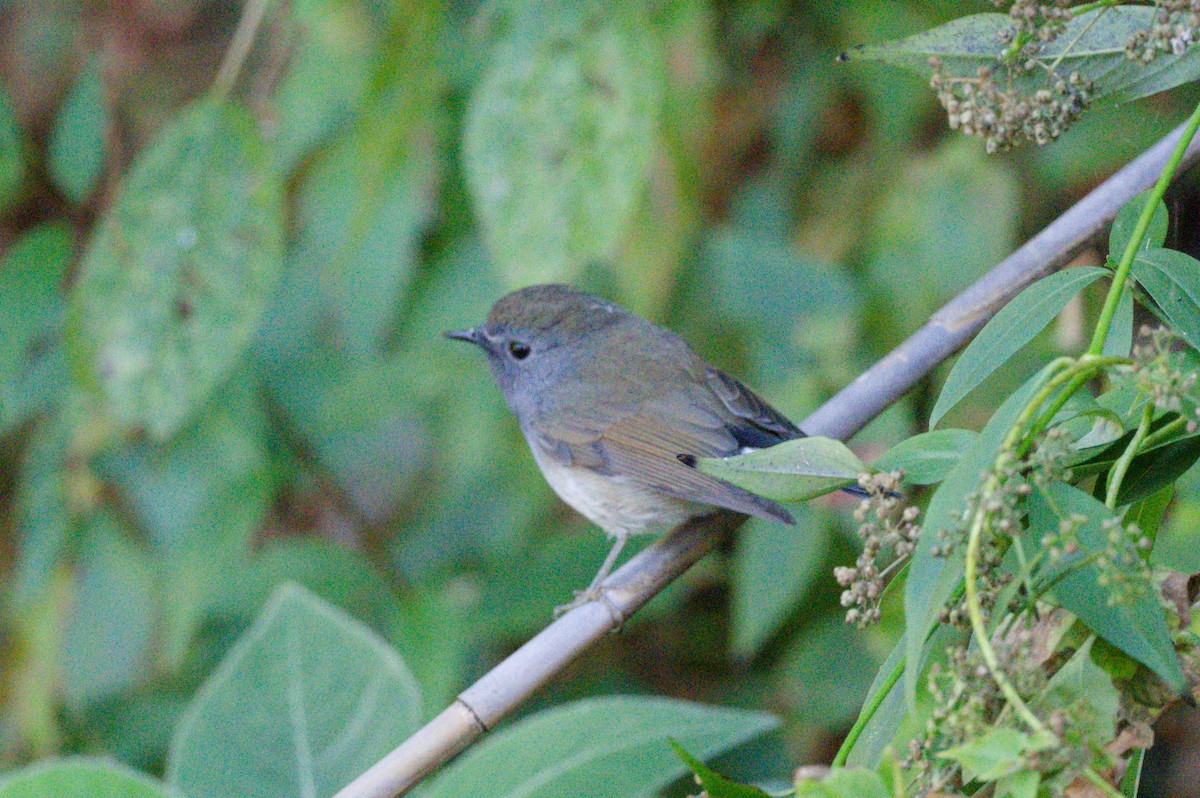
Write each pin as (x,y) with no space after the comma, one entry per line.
(646,448)
(751,421)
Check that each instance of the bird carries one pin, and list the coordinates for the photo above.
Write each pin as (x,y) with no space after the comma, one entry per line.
(617,411)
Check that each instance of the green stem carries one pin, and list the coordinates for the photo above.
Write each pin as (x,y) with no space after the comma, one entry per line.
(1163,433)
(1106,788)
(975,612)
(1071,44)
(1139,233)
(867,713)
(1117,475)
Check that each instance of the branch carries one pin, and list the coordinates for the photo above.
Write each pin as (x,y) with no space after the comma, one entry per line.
(506,686)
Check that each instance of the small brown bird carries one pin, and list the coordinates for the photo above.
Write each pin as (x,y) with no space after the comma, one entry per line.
(617,410)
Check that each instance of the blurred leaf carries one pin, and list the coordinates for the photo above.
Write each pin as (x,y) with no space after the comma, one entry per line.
(715,785)
(172,285)
(332,572)
(1136,626)
(1081,681)
(33,375)
(879,731)
(1120,332)
(946,219)
(79,777)
(77,142)
(615,746)
(326,77)
(199,500)
(1126,221)
(45,513)
(1173,280)
(931,580)
(926,458)
(558,135)
(792,471)
(436,628)
(1017,323)
(772,571)
(843,783)
(1093,44)
(1152,470)
(12,155)
(111,625)
(992,755)
(303,703)
(1148,513)
(1022,784)
(817,689)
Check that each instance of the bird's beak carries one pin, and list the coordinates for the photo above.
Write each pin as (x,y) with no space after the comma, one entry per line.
(471,335)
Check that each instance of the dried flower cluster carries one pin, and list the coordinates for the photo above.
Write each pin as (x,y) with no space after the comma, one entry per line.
(885,525)
(1158,375)
(1176,25)
(1005,116)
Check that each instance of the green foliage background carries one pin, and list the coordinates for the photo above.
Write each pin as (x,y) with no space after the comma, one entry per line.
(221,365)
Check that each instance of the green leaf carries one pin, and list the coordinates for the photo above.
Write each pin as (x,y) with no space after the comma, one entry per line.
(1173,280)
(33,374)
(948,217)
(1022,784)
(844,783)
(926,458)
(171,288)
(792,471)
(714,784)
(1138,627)
(1092,44)
(1081,681)
(107,645)
(615,746)
(559,135)
(992,755)
(305,701)
(771,573)
(326,78)
(12,153)
(1126,221)
(1015,325)
(1151,471)
(1120,331)
(79,777)
(931,580)
(77,141)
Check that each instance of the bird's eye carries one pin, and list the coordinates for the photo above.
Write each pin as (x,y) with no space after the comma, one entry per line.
(518,350)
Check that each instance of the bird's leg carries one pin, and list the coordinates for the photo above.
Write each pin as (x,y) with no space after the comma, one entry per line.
(593,590)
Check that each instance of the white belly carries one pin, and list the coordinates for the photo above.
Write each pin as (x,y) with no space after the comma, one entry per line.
(617,505)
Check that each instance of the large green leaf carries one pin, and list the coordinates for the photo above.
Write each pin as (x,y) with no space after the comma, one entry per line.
(32,371)
(601,747)
(1092,44)
(77,141)
(12,153)
(791,471)
(304,702)
(171,287)
(931,580)
(1138,625)
(1014,326)
(772,570)
(559,135)
(81,778)
(928,457)
(1173,280)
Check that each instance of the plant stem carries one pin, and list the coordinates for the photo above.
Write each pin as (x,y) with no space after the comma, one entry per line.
(239,48)
(1165,432)
(1104,787)
(1117,475)
(1139,233)
(979,628)
(867,713)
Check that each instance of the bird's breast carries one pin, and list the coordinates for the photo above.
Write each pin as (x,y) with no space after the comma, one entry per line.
(618,505)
